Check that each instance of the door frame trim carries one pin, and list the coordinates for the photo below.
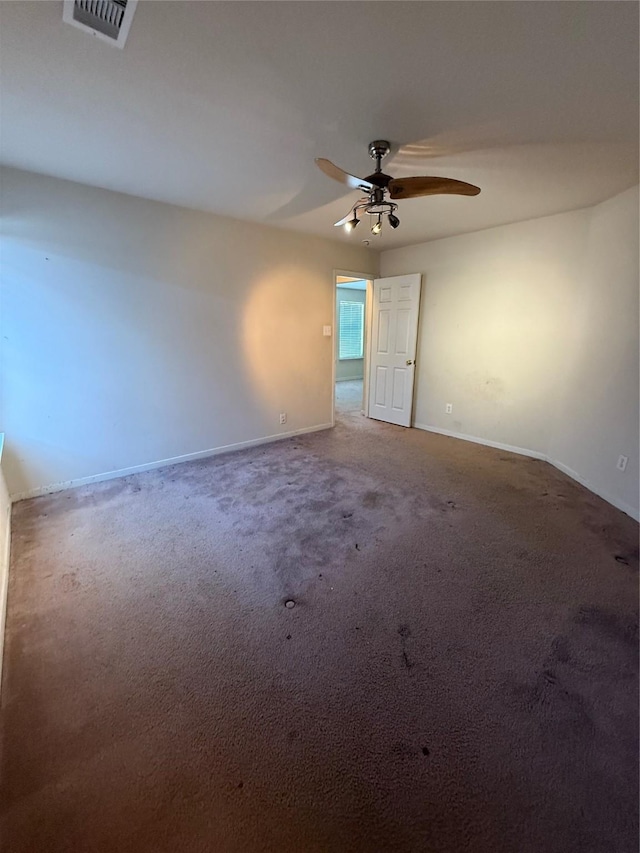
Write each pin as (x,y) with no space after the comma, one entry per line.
(361,276)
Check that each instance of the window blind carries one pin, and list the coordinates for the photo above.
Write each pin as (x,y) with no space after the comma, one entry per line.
(351,329)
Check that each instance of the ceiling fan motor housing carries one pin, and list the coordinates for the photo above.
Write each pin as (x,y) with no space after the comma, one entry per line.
(378,149)
(379,179)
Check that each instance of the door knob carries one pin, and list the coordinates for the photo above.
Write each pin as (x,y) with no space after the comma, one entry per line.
(409,361)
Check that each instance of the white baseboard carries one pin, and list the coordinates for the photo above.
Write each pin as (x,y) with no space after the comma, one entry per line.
(523,451)
(535,454)
(162,463)
(203,454)
(611,499)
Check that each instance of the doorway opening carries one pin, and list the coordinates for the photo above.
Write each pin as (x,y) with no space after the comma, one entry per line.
(351,339)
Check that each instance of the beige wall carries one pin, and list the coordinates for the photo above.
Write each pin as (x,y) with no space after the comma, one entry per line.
(530,331)
(352,368)
(493,321)
(597,405)
(137,331)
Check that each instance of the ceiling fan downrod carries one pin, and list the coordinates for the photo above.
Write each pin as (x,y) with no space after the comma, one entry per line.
(378,150)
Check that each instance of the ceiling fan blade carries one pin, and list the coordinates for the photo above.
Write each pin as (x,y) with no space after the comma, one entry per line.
(415,187)
(343,177)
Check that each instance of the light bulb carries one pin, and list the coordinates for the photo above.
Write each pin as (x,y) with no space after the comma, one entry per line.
(376,228)
(351,224)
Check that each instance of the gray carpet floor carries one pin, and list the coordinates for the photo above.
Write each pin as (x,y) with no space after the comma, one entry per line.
(458,673)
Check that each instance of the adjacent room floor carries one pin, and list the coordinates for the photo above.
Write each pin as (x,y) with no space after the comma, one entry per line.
(349,397)
(458,671)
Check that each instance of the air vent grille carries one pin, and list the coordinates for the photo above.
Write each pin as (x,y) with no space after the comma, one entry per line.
(105,16)
(109,20)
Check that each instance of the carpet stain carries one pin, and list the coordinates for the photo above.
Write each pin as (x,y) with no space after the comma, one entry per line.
(622,629)
(69,582)
(558,710)
(560,650)
(405,632)
(629,558)
(371,500)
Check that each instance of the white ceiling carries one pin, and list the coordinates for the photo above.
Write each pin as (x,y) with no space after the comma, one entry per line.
(222,106)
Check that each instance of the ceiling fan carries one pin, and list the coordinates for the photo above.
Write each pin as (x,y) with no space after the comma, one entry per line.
(377,185)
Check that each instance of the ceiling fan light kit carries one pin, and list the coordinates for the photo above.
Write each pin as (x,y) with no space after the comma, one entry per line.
(377,185)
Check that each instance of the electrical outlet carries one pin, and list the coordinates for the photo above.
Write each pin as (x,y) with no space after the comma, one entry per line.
(283,417)
(448,409)
(326,331)
(622,463)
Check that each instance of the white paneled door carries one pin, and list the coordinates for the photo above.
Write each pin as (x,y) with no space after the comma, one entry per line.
(394,337)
